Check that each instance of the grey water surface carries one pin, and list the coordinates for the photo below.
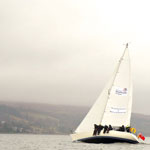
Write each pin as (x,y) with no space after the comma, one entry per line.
(60,142)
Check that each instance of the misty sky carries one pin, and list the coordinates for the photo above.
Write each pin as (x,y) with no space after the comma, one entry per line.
(64,51)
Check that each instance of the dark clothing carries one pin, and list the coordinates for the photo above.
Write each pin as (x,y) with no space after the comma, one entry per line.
(105,129)
(109,128)
(100,127)
(128,129)
(95,129)
(122,128)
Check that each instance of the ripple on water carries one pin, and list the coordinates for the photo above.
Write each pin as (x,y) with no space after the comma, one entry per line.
(60,142)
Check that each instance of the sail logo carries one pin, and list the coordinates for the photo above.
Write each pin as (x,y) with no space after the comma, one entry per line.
(121,91)
(117,110)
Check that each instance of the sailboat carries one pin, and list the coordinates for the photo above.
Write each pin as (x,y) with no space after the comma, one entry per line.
(113,107)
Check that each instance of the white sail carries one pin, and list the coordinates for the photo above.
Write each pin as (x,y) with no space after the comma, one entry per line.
(118,108)
(114,104)
(95,114)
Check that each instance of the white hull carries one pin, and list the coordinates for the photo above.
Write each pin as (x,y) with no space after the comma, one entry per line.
(111,137)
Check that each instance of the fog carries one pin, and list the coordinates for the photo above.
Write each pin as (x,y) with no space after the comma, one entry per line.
(64,51)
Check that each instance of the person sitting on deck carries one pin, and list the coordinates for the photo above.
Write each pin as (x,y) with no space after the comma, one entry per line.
(100,127)
(109,128)
(95,129)
(105,129)
(128,129)
(122,128)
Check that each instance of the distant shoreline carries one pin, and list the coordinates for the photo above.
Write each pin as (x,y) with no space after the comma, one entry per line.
(47,119)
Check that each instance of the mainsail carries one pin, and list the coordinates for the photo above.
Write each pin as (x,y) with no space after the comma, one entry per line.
(114,104)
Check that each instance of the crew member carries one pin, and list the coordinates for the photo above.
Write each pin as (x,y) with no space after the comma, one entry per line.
(105,129)
(109,128)
(128,129)
(95,129)
(100,127)
(122,128)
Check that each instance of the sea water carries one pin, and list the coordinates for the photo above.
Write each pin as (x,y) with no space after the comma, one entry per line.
(60,142)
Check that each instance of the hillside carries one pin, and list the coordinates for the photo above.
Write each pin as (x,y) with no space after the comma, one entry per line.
(51,119)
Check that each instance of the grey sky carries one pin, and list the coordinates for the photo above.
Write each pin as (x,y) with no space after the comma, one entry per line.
(64,51)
